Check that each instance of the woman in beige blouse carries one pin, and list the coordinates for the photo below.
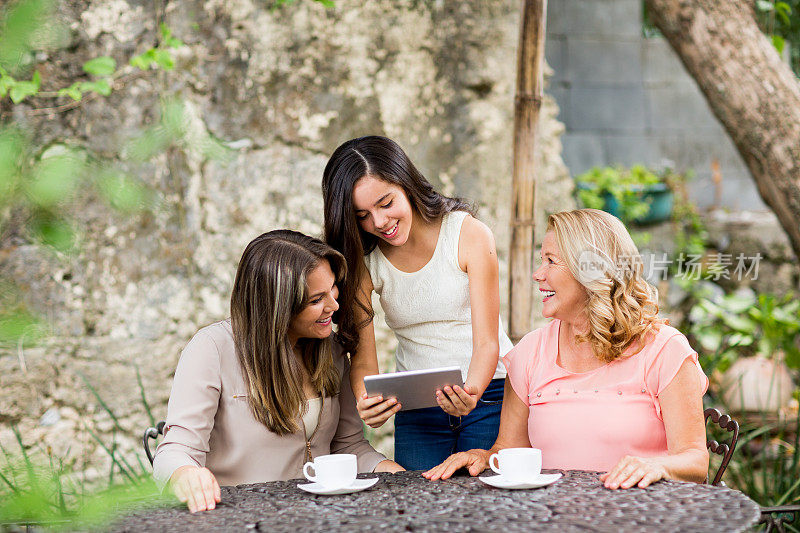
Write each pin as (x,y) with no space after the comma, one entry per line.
(258,395)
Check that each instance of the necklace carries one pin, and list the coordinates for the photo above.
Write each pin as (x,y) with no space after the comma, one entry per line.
(309,456)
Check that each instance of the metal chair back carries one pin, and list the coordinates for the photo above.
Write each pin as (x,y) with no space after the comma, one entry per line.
(151,433)
(777,517)
(725,449)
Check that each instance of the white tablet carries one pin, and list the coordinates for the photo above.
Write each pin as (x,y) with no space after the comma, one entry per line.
(414,389)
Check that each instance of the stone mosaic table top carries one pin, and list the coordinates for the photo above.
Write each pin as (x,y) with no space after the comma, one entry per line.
(408,502)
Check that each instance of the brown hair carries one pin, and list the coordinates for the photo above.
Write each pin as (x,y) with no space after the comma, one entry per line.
(381,158)
(269,291)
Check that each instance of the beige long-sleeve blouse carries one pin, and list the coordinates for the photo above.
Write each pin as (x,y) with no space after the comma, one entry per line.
(210,424)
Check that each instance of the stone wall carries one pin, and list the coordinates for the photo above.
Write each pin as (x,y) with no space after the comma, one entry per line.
(285,87)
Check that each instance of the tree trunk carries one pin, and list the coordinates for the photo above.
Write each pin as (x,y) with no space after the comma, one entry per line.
(528,100)
(751,91)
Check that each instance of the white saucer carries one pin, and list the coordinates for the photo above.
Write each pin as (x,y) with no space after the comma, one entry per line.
(358,485)
(541,480)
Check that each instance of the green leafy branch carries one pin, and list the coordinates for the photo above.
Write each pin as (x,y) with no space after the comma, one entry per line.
(103,69)
(18,90)
(780,21)
(160,56)
(778,16)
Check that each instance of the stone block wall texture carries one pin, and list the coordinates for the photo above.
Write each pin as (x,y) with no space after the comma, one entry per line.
(627,99)
(285,87)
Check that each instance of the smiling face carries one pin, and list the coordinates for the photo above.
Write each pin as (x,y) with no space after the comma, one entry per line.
(564,297)
(382,209)
(315,319)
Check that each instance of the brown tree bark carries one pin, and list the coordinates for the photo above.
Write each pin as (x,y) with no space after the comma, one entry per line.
(751,91)
(528,100)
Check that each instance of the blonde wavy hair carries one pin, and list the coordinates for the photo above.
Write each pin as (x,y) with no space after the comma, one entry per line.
(622,306)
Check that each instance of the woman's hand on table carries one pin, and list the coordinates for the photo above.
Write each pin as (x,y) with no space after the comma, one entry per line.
(375,411)
(456,401)
(196,486)
(388,466)
(630,471)
(476,461)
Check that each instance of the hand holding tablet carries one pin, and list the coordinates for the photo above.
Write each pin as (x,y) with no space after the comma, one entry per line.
(413,389)
(375,410)
(456,401)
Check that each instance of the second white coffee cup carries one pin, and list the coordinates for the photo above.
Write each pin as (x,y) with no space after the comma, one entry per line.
(334,471)
(517,464)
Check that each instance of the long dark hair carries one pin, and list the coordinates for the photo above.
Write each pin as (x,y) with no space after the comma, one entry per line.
(380,158)
(269,291)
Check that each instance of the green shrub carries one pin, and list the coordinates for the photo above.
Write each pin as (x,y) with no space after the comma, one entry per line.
(743,324)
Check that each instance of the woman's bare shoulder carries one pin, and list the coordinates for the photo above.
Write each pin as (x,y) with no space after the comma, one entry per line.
(476,232)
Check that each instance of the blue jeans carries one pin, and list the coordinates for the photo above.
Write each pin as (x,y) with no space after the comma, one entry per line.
(423,438)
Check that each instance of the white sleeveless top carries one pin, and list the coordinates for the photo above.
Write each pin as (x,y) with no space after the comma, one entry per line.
(429,310)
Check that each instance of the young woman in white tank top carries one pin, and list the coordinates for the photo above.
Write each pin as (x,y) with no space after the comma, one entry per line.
(435,269)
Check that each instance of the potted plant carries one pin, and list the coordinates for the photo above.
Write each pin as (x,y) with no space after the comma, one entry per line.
(635,194)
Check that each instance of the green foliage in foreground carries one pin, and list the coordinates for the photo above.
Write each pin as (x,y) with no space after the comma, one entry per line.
(17,324)
(41,188)
(42,184)
(48,495)
(27,25)
(37,488)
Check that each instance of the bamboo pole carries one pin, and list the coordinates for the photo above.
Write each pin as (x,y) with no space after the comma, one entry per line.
(527,102)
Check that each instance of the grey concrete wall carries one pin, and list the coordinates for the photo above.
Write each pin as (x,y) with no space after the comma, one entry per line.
(627,99)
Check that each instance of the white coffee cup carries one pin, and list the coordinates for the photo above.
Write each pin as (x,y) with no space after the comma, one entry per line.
(517,464)
(334,471)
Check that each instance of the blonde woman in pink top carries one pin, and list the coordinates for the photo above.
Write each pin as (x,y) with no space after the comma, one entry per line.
(606,385)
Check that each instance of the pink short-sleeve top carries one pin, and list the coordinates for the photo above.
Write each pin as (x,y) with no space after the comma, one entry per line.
(590,420)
